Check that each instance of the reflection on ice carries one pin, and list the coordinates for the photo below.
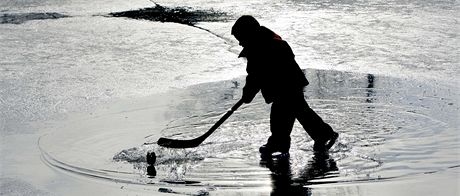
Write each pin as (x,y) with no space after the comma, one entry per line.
(285,181)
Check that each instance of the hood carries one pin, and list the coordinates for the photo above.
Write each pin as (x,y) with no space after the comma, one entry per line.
(264,35)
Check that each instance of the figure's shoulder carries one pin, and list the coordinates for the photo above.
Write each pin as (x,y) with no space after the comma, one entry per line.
(281,47)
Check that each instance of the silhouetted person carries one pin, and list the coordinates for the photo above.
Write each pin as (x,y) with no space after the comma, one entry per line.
(272,70)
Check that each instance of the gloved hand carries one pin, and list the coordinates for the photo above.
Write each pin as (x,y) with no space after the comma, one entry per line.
(248,96)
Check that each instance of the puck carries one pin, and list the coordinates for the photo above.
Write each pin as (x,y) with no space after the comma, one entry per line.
(151,158)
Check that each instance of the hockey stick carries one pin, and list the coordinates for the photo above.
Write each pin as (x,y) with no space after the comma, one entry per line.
(174,143)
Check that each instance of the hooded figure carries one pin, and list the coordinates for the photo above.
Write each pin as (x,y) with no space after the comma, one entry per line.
(272,69)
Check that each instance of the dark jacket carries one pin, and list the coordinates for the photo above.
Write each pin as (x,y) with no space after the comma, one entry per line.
(271,67)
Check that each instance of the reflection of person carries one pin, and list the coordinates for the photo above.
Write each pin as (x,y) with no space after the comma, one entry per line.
(272,70)
(283,181)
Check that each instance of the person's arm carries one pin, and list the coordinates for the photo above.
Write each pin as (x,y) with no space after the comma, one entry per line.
(250,89)
(252,86)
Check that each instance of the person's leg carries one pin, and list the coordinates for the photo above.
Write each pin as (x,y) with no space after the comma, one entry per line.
(282,120)
(319,131)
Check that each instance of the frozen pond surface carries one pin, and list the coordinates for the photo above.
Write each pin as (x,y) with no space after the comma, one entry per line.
(390,129)
(388,86)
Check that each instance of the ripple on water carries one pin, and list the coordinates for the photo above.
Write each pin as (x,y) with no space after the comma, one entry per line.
(386,131)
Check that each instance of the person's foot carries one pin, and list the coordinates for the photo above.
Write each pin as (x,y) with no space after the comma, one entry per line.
(268,151)
(265,149)
(275,161)
(280,155)
(323,146)
(274,157)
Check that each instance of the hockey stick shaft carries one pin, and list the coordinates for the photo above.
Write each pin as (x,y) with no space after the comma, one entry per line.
(174,143)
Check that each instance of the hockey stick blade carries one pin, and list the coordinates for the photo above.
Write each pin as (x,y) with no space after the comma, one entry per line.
(173,143)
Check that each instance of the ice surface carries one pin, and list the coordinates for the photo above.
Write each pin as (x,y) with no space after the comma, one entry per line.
(403,124)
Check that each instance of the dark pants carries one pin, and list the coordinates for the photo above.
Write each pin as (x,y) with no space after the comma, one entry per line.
(284,111)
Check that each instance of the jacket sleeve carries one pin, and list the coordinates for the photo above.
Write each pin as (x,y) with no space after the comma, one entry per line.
(252,86)
(250,89)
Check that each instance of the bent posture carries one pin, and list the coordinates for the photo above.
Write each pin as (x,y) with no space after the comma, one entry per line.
(272,70)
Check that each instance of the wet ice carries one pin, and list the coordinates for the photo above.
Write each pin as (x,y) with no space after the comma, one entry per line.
(404,123)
